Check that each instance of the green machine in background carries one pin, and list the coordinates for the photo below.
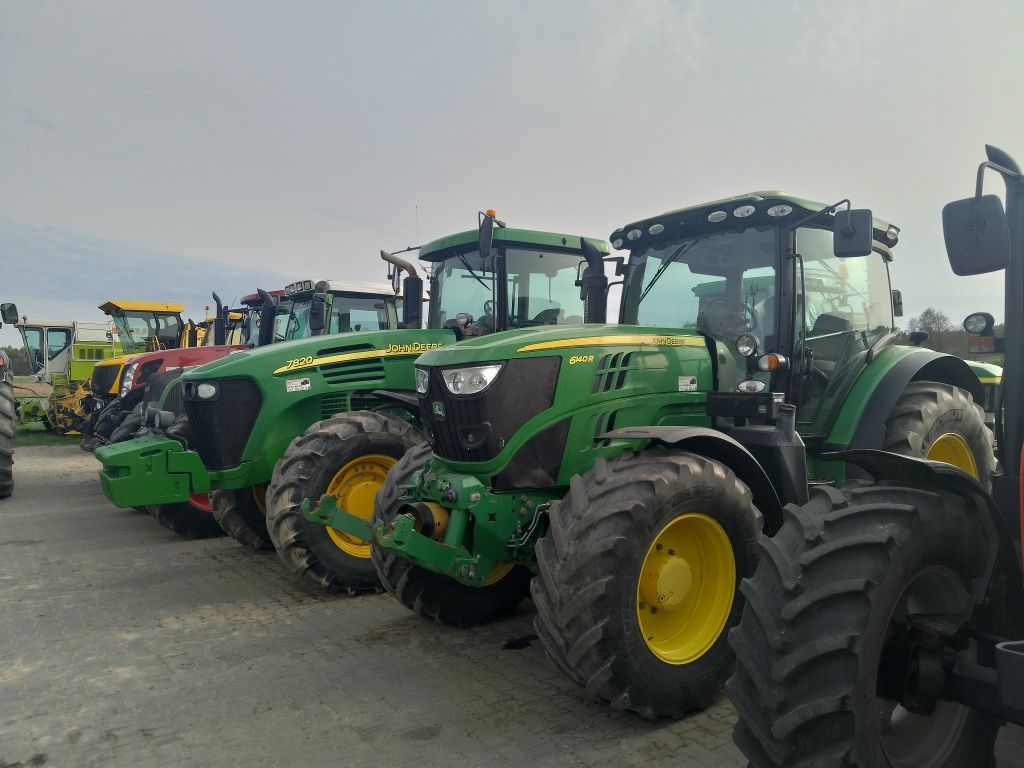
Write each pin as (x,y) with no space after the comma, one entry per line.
(331,413)
(626,471)
(62,354)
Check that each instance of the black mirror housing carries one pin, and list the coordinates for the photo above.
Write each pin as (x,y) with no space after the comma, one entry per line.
(854,233)
(897,303)
(9,313)
(318,315)
(977,235)
(412,301)
(486,237)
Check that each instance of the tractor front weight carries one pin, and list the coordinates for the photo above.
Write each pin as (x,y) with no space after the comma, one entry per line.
(448,523)
(151,470)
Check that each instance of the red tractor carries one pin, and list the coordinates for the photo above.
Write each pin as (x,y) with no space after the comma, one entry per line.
(884,625)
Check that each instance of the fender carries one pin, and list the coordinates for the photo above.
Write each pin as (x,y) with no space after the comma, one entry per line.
(945,478)
(869,410)
(404,400)
(720,447)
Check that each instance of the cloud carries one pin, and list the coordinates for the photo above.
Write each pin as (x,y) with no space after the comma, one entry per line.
(59,274)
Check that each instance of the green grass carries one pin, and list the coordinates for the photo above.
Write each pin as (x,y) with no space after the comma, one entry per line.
(36,434)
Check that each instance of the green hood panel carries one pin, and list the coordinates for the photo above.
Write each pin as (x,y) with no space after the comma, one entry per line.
(564,340)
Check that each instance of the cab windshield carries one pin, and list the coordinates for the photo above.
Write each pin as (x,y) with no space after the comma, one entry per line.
(147,330)
(721,285)
(347,313)
(540,287)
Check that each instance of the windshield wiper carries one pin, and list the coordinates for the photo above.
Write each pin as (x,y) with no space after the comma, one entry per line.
(474,274)
(666,263)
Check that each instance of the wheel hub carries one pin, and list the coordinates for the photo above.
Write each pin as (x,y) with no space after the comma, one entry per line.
(670,582)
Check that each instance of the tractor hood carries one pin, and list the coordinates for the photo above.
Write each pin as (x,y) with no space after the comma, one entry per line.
(568,340)
(324,353)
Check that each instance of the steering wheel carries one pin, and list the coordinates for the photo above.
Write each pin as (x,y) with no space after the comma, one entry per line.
(726,319)
(489,307)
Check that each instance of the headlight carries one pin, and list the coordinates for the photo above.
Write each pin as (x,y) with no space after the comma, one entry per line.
(978,323)
(206,391)
(747,345)
(126,380)
(422,380)
(470,381)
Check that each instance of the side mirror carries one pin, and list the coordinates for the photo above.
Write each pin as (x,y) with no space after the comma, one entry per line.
(486,235)
(917,338)
(318,315)
(854,233)
(977,235)
(897,303)
(9,313)
(412,301)
(394,272)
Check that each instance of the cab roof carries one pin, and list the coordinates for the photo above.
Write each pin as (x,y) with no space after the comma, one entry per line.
(113,305)
(254,298)
(695,219)
(439,249)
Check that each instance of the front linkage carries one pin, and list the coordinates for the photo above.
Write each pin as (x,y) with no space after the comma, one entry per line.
(428,528)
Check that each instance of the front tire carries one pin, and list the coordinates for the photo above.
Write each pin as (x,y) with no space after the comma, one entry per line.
(347,455)
(242,514)
(830,587)
(434,595)
(638,578)
(8,424)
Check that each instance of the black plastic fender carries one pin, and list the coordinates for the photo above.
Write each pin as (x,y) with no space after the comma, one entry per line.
(720,447)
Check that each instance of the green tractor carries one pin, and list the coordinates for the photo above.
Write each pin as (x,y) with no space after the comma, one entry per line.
(884,624)
(308,308)
(621,474)
(271,427)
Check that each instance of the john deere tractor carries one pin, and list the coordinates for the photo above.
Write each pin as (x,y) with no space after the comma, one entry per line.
(885,623)
(332,413)
(621,474)
(310,308)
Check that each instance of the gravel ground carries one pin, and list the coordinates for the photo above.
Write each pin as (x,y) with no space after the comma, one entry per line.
(122,644)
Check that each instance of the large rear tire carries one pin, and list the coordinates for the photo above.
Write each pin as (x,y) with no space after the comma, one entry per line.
(347,455)
(829,588)
(431,594)
(8,425)
(242,514)
(186,519)
(937,421)
(638,578)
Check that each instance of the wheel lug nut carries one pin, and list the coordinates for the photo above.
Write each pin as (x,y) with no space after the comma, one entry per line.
(671,551)
(658,547)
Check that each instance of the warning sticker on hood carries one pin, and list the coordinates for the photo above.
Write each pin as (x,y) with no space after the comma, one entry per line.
(297,385)
(687,383)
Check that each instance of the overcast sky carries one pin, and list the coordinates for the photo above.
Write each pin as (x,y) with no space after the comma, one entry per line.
(263,142)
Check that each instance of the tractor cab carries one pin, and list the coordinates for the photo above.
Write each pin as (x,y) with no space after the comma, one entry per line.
(253,310)
(147,326)
(338,306)
(500,278)
(765,280)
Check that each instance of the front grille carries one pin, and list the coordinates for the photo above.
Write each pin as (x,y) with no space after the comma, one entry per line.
(156,386)
(103,378)
(477,427)
(174,400)
(221,426)
(353,370)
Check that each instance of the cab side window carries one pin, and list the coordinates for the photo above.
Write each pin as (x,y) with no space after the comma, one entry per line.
(57,340)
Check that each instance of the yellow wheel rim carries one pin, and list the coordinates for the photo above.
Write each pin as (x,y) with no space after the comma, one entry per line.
(951,448)
(355,486)
(686,588)
(498,572)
